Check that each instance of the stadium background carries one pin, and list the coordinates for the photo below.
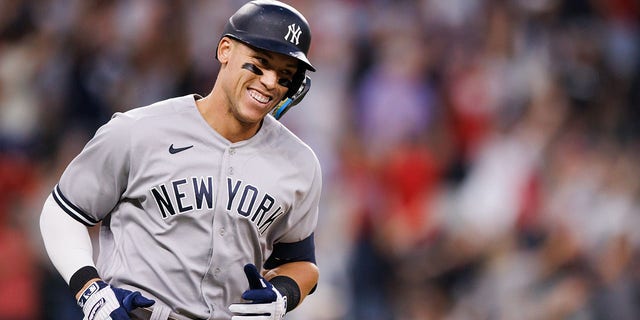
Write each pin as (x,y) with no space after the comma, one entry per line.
(481,158)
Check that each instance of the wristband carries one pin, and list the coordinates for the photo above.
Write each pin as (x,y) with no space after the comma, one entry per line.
(80,278)
(288,288)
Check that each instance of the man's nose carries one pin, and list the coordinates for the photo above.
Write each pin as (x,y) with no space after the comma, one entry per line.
(269,78)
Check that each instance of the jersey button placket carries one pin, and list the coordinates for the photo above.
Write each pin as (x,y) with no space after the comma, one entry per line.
(232,152)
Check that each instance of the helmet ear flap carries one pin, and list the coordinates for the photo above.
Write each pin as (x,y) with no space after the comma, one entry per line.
(296,82)
(300,86)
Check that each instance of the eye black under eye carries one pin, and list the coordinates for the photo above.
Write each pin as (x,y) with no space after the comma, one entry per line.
(253,68)
(285,82)
(256,70)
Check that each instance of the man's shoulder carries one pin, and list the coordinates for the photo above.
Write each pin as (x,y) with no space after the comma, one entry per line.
(163,107)
(287,142)
(280,134)
(159,113)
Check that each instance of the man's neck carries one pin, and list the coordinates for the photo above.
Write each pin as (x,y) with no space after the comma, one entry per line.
(216,114)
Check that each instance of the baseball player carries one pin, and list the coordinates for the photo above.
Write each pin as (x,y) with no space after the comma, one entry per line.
(207,205)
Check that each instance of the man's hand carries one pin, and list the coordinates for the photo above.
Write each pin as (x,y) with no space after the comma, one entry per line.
(101,301)
(266,302)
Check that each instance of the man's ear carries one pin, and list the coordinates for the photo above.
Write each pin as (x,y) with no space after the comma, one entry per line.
(224,50)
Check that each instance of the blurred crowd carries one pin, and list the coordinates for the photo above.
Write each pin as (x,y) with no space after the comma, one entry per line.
(481,157)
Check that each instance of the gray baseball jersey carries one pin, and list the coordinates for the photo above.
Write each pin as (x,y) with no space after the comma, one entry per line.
(183,209)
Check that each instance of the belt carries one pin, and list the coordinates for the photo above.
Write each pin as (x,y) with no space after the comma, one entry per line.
(159,312)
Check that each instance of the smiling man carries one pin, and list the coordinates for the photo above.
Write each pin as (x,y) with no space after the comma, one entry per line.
(207,206)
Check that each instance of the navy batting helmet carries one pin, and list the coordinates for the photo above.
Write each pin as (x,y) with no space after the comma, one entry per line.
(272,26)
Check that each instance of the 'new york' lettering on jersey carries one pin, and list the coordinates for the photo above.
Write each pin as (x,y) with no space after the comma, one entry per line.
(243,199)
(201,190)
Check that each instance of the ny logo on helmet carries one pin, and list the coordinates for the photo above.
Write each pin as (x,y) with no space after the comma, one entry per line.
(294,32)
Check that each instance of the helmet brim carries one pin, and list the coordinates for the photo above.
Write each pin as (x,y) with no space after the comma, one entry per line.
(274,46)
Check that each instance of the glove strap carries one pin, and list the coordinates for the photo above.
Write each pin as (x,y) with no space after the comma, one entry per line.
(93,288)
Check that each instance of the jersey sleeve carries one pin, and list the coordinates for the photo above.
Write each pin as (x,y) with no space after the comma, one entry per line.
(94,181)
(297,243)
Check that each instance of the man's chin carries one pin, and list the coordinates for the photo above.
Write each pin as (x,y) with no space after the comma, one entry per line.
(252,116)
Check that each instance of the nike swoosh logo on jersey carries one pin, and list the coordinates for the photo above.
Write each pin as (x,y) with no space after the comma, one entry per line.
(173,150)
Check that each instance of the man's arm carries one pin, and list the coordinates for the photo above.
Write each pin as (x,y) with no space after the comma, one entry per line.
(69,247)
(304,273)
(66,240)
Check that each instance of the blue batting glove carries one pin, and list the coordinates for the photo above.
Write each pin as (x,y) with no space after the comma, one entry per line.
(101,301)
(266,302)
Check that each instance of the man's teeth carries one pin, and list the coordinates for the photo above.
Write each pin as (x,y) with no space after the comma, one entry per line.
(259,97)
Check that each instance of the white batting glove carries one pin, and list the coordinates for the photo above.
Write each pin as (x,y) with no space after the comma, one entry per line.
(103,302)
(266,302)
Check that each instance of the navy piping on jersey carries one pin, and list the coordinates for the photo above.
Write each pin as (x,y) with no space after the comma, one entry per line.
(68,207)
(303,250)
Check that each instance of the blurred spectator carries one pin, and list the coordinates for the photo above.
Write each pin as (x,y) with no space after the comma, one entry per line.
(480,157)
(19,278)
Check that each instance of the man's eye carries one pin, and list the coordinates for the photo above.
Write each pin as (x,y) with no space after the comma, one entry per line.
(285,82)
